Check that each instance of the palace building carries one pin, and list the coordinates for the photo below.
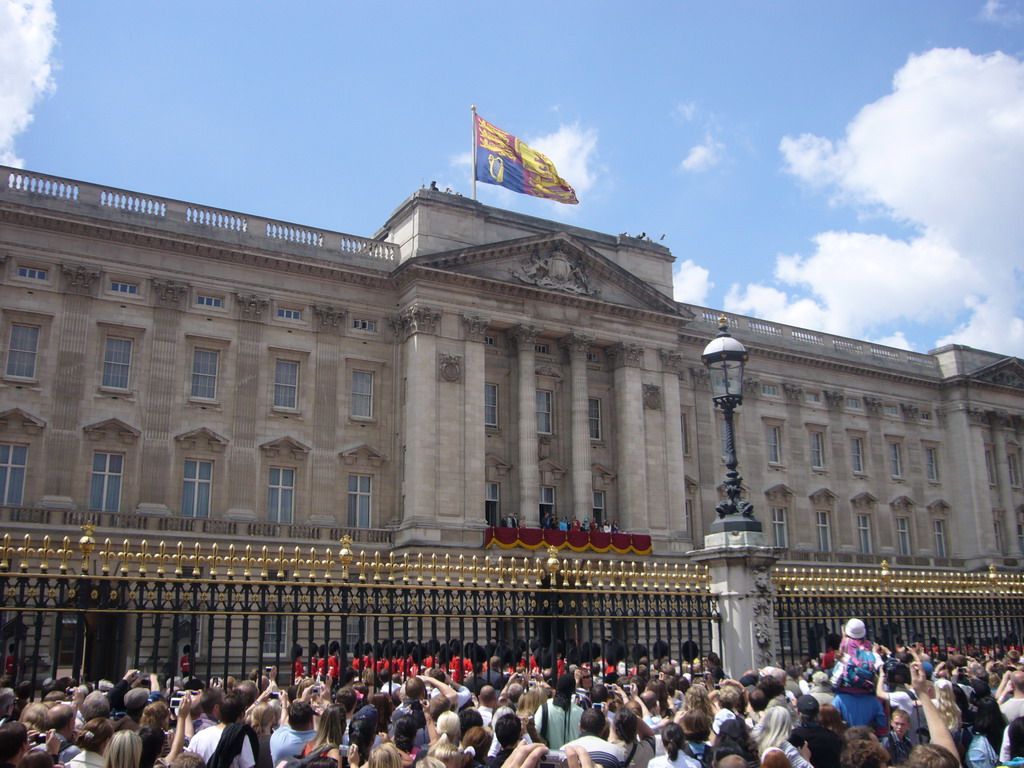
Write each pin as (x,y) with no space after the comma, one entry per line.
(177,372)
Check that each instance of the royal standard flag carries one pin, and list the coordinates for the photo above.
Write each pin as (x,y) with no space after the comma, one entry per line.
(504,160)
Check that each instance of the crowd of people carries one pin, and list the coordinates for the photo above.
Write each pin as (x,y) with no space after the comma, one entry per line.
(859,705)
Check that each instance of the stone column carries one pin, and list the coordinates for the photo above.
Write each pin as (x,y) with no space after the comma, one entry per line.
(474,436)
(741,578)
(1000,422)
(524,337)
(164,378)
(244,462)
(415,327)
(577,345)
(675,472)
(64,435)
(327,493)
(632,454)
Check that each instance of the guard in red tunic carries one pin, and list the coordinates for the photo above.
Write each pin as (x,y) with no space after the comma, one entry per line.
(334,664)
(11,662)
(186,663)
(298,668)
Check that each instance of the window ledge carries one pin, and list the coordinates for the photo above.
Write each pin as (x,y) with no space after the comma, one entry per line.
(19,381)
(281,410)
(126,394)
(363,419)
(202,401)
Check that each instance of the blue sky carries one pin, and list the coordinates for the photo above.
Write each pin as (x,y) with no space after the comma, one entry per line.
(854,167)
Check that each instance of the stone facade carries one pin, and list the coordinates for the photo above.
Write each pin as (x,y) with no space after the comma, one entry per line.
(165,360)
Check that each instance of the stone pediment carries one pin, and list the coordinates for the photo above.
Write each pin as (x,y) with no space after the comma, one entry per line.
(203,438)
(112,429)
(902,504)
(556,263)
(779,492)
(823,497)
(864,499)
(15,419)
(285,447)
(1009,372)
(364,452)
(499,464)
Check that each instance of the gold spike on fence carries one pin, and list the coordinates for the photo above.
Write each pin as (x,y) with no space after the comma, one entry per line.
(216,563)
(884,580)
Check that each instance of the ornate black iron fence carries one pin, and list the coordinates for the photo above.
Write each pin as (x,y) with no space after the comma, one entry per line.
(973,612)
(89,610)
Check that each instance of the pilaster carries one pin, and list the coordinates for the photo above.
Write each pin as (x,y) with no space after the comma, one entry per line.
(524,337)
(632,452)
(576,346)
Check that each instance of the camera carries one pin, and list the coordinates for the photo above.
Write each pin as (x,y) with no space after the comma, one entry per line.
(39,738)
(176,701)
(275,695)
(268,669)
(555,758)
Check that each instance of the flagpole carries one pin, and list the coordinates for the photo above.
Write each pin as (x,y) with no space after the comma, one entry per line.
(472,152)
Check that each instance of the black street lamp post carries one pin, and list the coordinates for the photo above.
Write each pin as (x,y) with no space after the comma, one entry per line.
(725,358)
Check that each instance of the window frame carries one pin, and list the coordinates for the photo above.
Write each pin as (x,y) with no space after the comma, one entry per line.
(192,490)
(490,406)
(904,541)
(281,494)
(857,455)
(823,529)
(358,395)
(359,500)
(11,471)
(492,504)
(865,537)
(109,482)
(545,411)
(214,377)
(109,364)
(544,506)
(773,448)
(931,463)
(939,538)
(283,388)
(595,423)
(599,506)
(895,458)
(15,355)
(816,448)
(780,522)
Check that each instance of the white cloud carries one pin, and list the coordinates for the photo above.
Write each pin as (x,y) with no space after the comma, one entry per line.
(944,154)
(573,150)
(997,12)
(26,40)
(704,156)
(685,112)
(691,283)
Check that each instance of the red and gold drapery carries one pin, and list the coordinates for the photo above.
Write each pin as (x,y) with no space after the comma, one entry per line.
(577,541)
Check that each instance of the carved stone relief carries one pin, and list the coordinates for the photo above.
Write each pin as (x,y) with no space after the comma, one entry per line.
(652,397)
(449,367)
(555,270)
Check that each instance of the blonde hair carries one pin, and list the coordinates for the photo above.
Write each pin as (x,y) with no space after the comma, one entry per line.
(33,717)
(385,756)
(697,698)
(531,701)
(124,750)
(448,725)
(447,752)
(945,702)
(262,718)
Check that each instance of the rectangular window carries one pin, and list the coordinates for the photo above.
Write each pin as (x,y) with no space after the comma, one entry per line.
(204,373)
(903,536)
(32,273)
(772,390)
(926,415)
(289,314)
(688,515)
(824,529)
(275,635)
(117,363)
(817,450)
(362,394)
(594,417)
(491,406)
(105,488)
(488,341)
(21,354)
(864,533)
(773,438)
(990,467)
(1014,469)
(281,495)
(895,460)
(813,397)
(286,384)
(853,403)
(116,286)
(598,508)
(359,497)
(362,324)
(546,501)
(209,301)
(542,349)
(931,461)
(780,529)
(939,529)
(684,426)
(1020,537)
(13,460)
(593,357)
(196,488)
(857,455)
(543,412)
(890,410)
(1000,538)
(492,504)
